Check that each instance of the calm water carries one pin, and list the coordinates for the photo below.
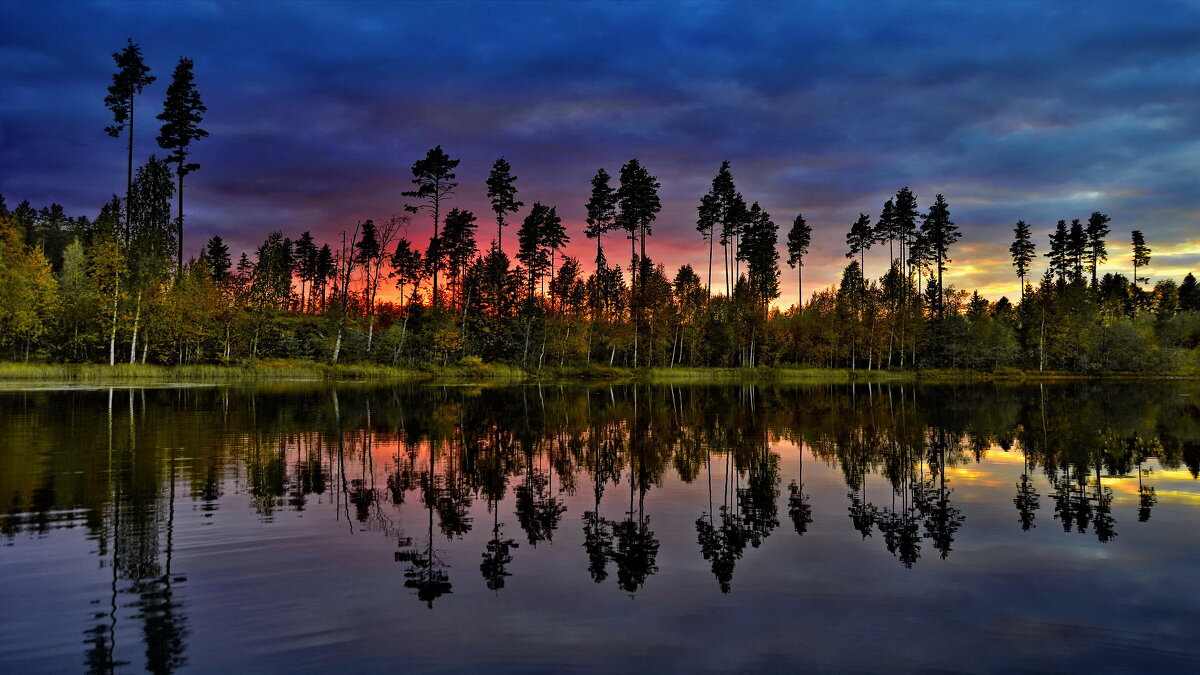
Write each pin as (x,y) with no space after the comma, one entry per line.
(601,528)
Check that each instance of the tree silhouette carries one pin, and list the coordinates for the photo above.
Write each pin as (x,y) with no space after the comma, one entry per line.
(1141,257)
(1059,252)
(434,177)
(501,189)
(1022,250)
(1097,230)
(181,116)
(939,233)
(859,239)
(638,202)
(601,218)
(498,554)
(131,77)
(799,238)
(715,209)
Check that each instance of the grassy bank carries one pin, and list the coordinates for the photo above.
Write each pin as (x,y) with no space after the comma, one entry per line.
(471,370)
(781,374)
(259,371)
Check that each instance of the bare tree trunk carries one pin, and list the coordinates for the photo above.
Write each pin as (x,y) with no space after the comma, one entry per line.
(179,262)
(112,339)
(137,316)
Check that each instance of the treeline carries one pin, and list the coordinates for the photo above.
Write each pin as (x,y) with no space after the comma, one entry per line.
(116,287)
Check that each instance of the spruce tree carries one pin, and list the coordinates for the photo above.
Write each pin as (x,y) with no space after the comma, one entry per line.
(216,256)
(1022,250)
(1097,230)
(306,266)
(458,244)
(762,258)
(532,253)
(939,233)
(1058,253)
(1141,257)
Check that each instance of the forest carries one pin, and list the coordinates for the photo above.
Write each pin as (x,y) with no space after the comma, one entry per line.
(116,287)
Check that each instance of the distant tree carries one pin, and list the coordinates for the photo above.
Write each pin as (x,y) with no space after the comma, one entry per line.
(716,209)
(1097,230)
(434,178)
(1141,257)
(601,218)
(131,77)
(707,217)
(503,193)
(799,237)
(325,269)
(458,245)
(1058,253)
(1022,250)
(407,268)
(367,247)
(1189,294)
(638,203)
(533,253)
(762,258)
(905,214)
(859,239)
(181,116)
(1077,244)
(370,253)
(553,236)
(637,198)
(563,283)
(885,228)
(306,266)
(216,256)
(343,270)
(940,233)
(273,270)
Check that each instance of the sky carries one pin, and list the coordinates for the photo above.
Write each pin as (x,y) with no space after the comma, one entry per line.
(1031,110)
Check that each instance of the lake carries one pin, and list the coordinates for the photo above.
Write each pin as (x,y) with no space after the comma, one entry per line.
(302,527)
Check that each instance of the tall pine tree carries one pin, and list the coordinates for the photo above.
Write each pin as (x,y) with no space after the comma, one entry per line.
(799,238)
(502,190)
(131,77)
(181,116)
(435,180)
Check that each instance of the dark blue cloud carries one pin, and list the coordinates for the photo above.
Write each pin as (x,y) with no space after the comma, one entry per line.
(1037,111)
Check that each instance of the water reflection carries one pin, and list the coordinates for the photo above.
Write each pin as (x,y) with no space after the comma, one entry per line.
(419,466)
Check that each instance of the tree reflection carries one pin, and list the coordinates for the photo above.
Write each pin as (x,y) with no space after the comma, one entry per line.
(389,455)
(799,508)
(1027,500)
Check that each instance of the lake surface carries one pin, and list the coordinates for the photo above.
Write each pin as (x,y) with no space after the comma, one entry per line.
(354,527)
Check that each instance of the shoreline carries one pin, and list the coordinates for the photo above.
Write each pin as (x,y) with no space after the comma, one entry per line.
(17,374)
